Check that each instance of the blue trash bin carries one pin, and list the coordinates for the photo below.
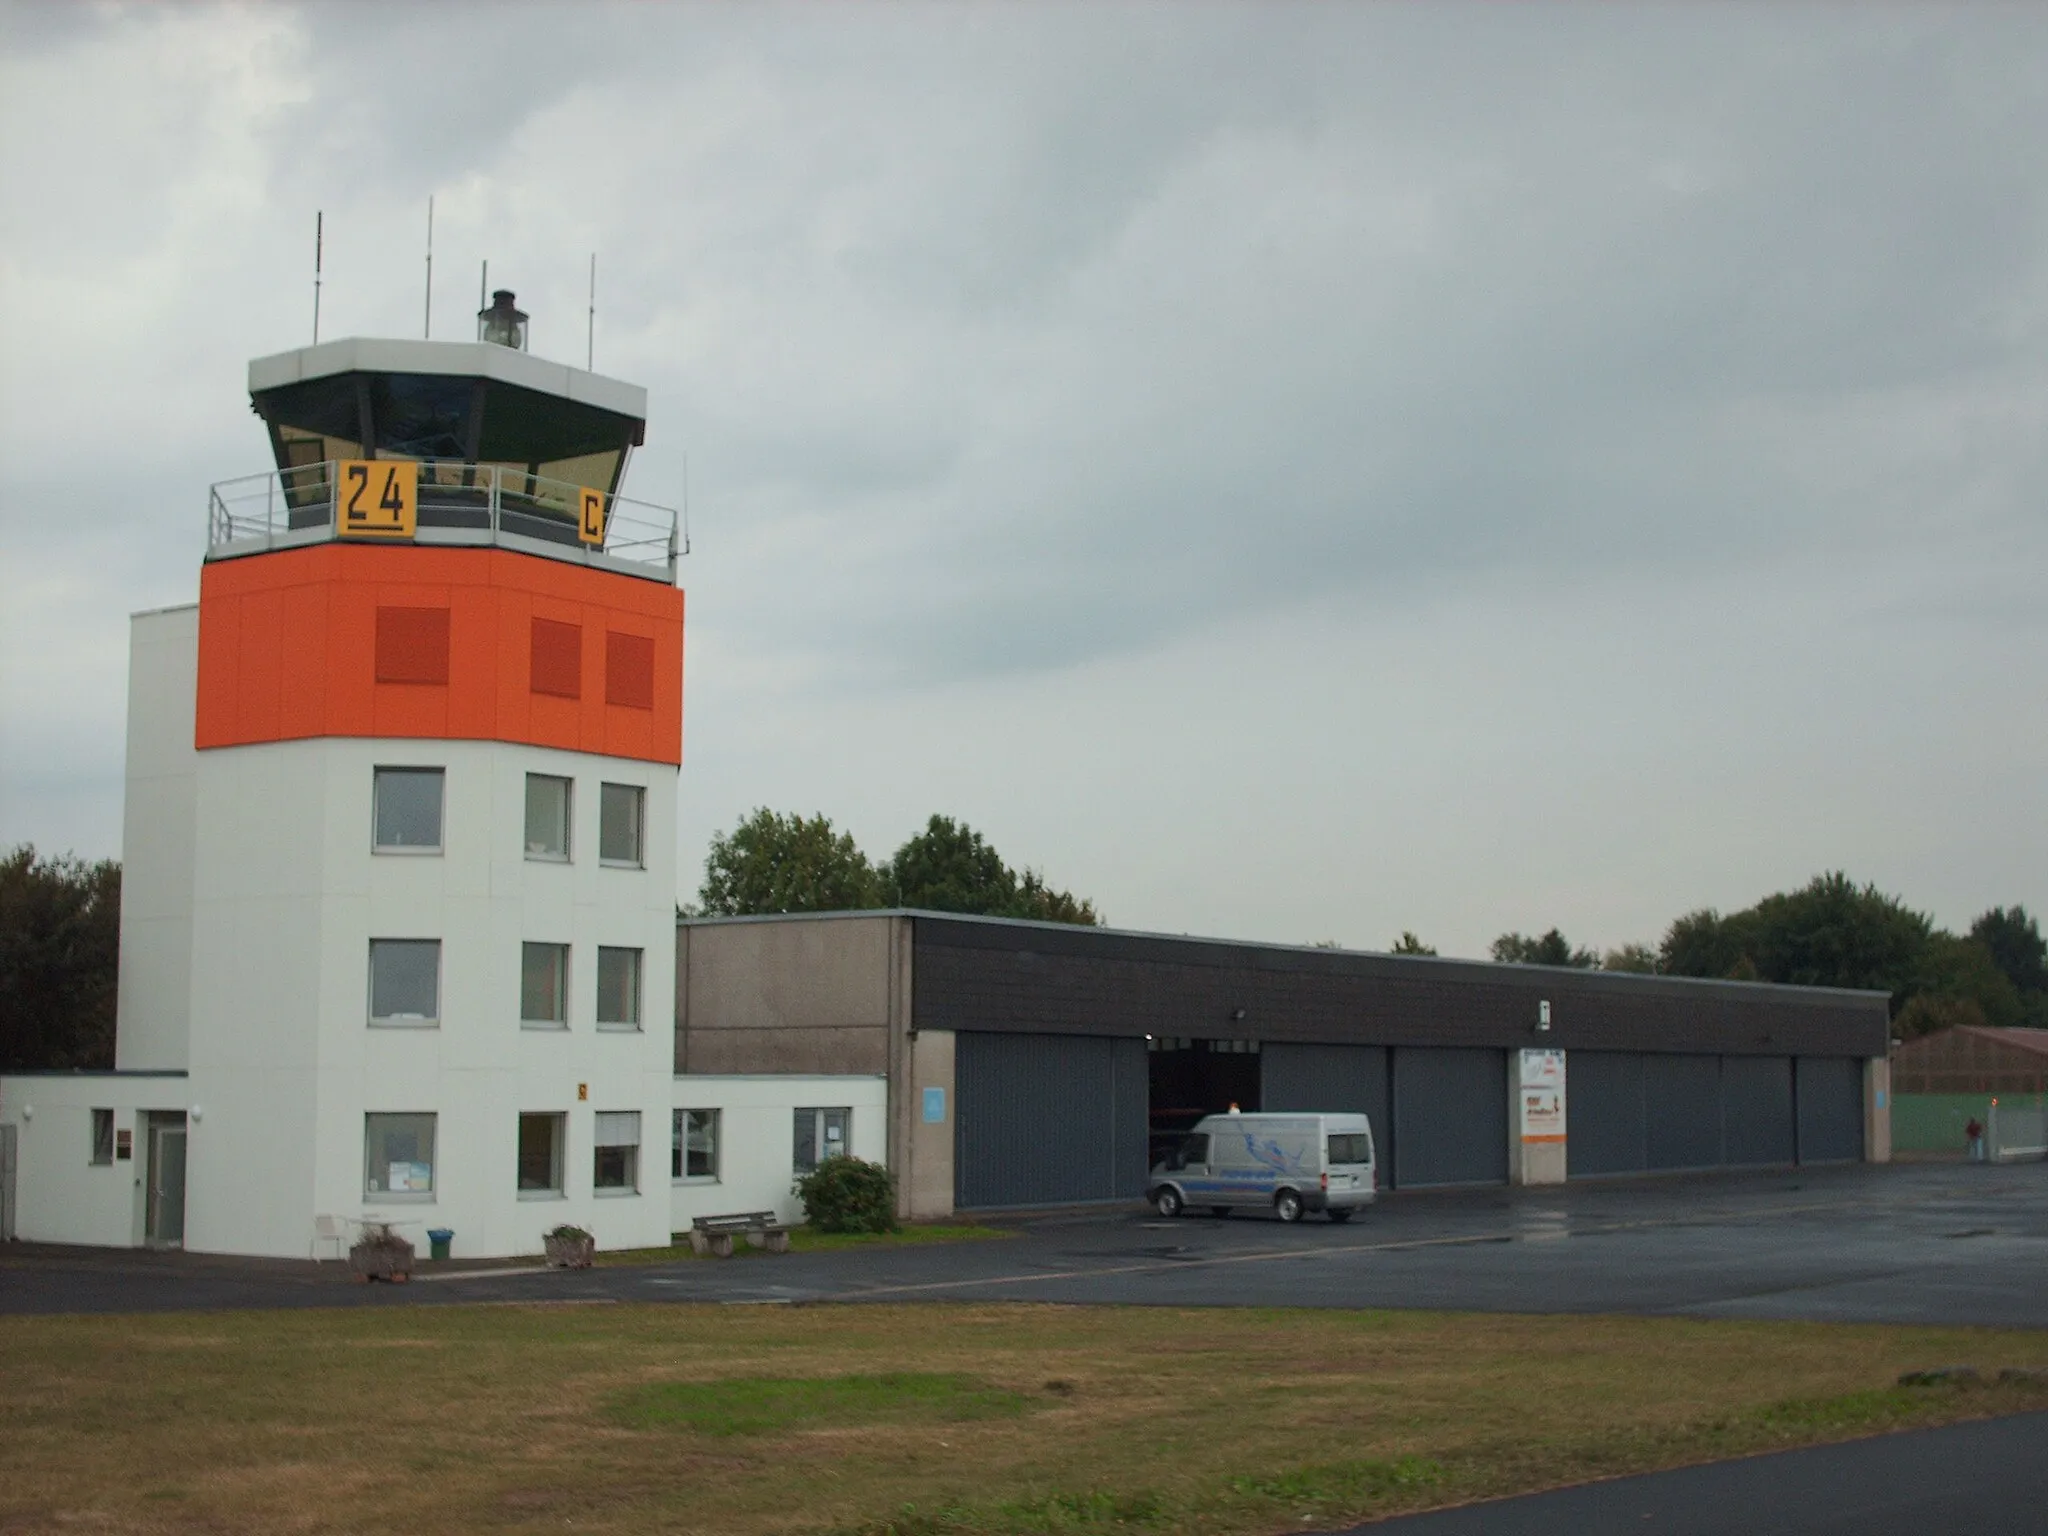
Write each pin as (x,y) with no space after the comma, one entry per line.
(440,1238)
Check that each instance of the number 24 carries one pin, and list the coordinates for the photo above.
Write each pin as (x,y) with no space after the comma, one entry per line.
(392,501)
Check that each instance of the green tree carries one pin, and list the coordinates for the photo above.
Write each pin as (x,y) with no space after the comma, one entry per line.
(1955,969)
(1638,958)
(1703,943)
(1037,899)
(1549,949)
(2017,948)
(1409,944)
(778,863)
(950,867)
(60,957)
(1830,932)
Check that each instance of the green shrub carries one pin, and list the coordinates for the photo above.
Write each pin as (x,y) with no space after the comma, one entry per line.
(844,1194)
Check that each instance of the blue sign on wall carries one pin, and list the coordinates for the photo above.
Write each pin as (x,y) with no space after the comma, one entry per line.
(935,1106)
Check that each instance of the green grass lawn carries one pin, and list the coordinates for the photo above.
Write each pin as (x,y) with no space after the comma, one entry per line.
(909,1420)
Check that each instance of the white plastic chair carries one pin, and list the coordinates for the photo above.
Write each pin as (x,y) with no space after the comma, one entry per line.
(329,1229)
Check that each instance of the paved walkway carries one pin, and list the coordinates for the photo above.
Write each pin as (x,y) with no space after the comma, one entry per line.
(1983,1479)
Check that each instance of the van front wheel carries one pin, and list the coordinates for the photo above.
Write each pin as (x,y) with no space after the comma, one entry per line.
(1287,1205)
(1167,1201)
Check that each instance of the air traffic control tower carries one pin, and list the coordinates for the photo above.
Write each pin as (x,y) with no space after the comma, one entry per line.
(400,818)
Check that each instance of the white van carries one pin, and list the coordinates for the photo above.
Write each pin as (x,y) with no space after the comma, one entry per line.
(1283,1163)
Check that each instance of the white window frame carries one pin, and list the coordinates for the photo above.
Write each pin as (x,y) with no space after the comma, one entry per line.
(402,1196)
(679,1147)
(637,959)
(402,1020)
(818,1138)
(567,852)
(409,850)
(603,1140)
(562,988)
(638,792)
(558,1168)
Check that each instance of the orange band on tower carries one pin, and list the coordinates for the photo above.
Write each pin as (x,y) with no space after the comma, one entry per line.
(353,640)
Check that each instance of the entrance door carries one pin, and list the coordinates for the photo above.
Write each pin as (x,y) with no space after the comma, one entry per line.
(165,1221)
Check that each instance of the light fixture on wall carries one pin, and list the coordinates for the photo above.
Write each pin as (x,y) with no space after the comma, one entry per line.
(1543,1018)
(28,1111)
(198,1112)
(1237,1015)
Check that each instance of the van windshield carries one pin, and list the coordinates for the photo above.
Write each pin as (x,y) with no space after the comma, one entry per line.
(1352,1147)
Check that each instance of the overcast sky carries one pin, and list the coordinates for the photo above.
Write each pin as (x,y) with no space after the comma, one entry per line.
(1287,472)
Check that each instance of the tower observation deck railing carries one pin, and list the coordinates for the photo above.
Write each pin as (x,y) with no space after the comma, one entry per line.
(460,505)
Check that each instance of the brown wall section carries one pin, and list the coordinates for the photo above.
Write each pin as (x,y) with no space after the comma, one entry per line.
(289,648)
(794,996)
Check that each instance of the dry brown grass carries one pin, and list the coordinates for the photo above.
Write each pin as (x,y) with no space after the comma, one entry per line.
(503,1418)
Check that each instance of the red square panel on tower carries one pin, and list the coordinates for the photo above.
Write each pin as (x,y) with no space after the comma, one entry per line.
(412,645)
(558,658)
(629,670)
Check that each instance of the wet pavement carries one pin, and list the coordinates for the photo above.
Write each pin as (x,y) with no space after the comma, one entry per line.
(1928,1243)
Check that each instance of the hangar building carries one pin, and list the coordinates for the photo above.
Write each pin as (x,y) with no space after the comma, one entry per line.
(1045,1064)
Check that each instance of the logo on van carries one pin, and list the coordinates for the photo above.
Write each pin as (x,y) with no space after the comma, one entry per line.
(1270,1154)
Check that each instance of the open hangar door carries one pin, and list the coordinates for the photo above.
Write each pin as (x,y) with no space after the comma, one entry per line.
(1047,1119)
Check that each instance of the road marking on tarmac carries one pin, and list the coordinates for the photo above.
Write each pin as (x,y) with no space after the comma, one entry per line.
(1471,1240)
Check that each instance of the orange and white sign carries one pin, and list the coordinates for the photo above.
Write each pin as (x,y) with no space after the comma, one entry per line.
(1539,1097)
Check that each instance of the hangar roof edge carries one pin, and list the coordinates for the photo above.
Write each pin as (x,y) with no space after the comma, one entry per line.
(1342,959)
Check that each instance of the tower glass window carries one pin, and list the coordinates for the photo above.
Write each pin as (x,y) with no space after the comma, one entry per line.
(547,816)
(407,814)
(544,985)
(618,988)
(621,827)
(405,981)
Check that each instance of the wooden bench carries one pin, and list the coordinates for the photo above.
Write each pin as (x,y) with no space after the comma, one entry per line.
(714,1234)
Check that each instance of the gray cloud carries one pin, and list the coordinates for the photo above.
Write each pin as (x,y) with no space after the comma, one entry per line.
(1021,355)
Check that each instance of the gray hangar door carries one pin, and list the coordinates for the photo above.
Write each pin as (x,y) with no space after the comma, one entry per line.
(1047,1119)
(1325,1078)
(1605,1125)
(1756,1110)
(1450,1116)
(1830,1095)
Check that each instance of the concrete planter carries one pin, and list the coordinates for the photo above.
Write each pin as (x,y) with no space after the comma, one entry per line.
(570,1252)
(380,1254)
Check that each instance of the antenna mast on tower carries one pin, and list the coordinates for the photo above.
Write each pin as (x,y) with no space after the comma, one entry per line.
(319,219)
(427,326)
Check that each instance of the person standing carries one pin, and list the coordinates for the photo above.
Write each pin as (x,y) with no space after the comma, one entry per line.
(1974,1134)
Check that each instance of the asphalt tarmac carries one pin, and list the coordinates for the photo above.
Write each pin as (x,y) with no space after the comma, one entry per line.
(1930,1243)
(1984,1479)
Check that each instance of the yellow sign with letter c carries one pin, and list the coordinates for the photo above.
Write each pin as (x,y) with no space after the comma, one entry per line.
(590,520)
